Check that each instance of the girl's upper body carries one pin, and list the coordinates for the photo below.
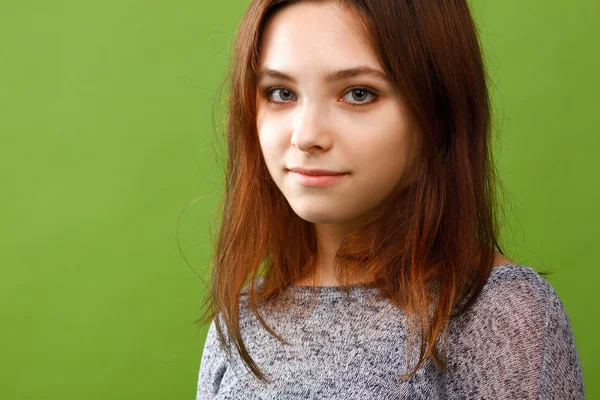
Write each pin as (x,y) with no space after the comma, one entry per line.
(390,97)
(516,342)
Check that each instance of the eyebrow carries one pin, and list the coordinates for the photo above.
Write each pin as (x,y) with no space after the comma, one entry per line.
(331,76)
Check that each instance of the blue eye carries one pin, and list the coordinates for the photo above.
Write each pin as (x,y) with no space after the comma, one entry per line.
(284,93)
(358,95)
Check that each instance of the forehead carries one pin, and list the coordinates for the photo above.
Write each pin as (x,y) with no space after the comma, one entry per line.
(309,35)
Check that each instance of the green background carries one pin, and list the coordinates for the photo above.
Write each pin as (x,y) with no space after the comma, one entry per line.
(106,137)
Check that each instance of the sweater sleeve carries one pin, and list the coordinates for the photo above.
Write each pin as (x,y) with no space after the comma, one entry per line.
(212,366)
(562,375)
(516,343)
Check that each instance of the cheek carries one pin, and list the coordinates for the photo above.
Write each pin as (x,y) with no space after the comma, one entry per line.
(382,145)
(272,140)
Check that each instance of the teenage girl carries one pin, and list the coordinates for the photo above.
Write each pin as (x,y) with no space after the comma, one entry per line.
(358,254)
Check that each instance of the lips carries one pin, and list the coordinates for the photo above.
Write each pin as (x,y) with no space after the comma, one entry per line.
(321,180)
(316,172)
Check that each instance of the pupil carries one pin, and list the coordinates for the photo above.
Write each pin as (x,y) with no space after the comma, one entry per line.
(360,92)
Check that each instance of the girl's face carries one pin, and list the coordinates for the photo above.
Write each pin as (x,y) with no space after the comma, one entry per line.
(311,115)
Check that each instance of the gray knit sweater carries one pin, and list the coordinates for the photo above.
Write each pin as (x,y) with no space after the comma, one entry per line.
(515,343)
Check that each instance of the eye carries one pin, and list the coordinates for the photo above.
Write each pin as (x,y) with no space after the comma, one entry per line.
(359,94)
(284,95)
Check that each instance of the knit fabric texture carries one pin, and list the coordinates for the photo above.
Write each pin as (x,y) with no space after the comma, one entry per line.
(515,342)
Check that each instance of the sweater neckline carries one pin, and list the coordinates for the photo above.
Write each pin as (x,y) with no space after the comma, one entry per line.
(352,288)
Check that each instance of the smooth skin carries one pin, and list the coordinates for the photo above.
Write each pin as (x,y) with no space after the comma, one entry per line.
(356,124)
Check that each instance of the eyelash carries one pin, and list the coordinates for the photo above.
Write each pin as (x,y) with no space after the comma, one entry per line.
(267,94)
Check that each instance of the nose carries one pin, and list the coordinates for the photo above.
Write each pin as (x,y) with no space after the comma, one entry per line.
(311,129)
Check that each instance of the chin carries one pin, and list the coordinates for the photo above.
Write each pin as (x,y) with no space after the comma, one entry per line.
(326,215)
(315,217)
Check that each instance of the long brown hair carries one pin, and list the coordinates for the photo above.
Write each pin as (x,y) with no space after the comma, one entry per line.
(442,228)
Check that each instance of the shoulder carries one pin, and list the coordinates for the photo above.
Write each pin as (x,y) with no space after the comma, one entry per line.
(517,306)
(516,340)
(516,303)
(514,290)
(516,281)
